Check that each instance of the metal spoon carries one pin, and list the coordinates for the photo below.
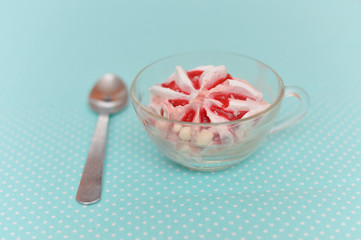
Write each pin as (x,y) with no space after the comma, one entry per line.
(109,95)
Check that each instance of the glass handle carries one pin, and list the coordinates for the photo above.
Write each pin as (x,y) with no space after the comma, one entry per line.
(301,110)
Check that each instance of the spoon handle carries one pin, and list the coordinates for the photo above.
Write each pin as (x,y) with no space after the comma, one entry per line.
(90,187)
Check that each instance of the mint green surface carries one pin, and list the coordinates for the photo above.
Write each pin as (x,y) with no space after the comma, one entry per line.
(303,183)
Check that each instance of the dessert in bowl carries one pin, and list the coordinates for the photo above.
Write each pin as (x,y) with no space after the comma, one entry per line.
(211,110)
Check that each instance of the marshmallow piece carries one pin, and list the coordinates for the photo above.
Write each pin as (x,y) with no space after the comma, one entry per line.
(204,137)
(177,127)
(183,147)
(162,126)
(185,133)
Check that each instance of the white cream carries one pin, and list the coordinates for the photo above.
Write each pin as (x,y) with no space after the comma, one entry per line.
(204,98)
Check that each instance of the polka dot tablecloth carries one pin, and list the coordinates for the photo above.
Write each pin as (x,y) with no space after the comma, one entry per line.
(302,183)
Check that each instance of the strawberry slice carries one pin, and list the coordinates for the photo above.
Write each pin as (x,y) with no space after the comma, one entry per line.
(225,97)
(178,102)
(194,77)
(172,85)
(188,117)
(231,116)
(203,116)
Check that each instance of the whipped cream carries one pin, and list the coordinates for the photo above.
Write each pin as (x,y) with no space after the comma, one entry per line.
(205,94)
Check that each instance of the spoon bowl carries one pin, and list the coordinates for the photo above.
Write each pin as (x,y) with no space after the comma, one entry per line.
(109,95)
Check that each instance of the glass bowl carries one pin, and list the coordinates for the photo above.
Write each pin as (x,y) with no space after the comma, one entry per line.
(189,144)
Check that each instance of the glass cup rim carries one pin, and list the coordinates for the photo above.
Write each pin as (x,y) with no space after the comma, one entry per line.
(242,120)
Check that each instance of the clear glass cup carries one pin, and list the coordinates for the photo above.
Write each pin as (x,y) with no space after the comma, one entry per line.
(188,143)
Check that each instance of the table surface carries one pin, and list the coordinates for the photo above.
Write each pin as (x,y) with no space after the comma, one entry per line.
(302,183)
